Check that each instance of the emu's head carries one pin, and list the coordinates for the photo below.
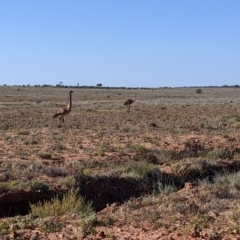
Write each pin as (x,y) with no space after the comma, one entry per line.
(70,92)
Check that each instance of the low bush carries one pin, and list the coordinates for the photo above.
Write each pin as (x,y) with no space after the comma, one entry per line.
(71,203)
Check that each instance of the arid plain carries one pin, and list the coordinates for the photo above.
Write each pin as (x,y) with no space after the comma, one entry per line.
(190,138)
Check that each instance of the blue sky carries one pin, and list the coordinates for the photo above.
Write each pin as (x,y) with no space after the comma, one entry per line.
(131,43)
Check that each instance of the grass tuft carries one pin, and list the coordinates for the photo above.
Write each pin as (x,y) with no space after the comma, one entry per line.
(71,203)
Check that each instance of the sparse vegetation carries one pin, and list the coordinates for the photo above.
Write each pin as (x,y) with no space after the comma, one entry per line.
(38,185)
(139,169)
(220,154)
(170,166)
(71,203)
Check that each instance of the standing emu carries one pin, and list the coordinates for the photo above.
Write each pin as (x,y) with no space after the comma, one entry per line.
(64,110)
(129,102)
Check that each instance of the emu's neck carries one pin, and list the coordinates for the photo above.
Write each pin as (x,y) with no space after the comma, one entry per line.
(69,106)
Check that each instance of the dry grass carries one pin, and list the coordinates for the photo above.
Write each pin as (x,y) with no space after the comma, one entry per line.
(175,131)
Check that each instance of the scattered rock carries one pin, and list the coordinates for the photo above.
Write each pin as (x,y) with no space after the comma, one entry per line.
(213,215)
(35,236)
(102,234)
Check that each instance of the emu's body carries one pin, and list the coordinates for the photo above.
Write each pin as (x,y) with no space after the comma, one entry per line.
(129,102)
(64,110)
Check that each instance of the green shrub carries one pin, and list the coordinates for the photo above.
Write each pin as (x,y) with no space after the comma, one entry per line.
(166,189)
(142,169)
(55,172)
(50,226)
(139,148)
(38,185)
(4,228)
(220,154)
(101,152)
(87,223)
(8,186)
(71,203)
(68,182)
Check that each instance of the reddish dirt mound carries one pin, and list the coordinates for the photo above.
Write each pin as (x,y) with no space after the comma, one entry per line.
(197,142)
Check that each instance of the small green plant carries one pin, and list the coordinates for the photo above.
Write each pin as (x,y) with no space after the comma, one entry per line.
(6,124)
(7,186)
(50,226)
(57,138)
(101,152)
(139,148)
(38,185)
(220,154)
(104,147)
(202,221)
(171,155)
(225,136)
(58,146)
(142,169)
(68,182)
(4,228)
(87,223)
(86,171)
(235,229)
(166,189)
(55,171)
(21,222)
(108,221)
(157,225)
(71,203)
(236,124)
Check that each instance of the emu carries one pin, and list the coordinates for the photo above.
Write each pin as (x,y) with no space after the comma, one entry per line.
(64,110)
(129,102)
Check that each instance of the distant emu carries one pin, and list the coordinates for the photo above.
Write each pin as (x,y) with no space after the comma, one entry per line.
(64,110)
(129,102)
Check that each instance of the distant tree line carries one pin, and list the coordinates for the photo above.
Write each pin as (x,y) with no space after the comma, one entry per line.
(99,85)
